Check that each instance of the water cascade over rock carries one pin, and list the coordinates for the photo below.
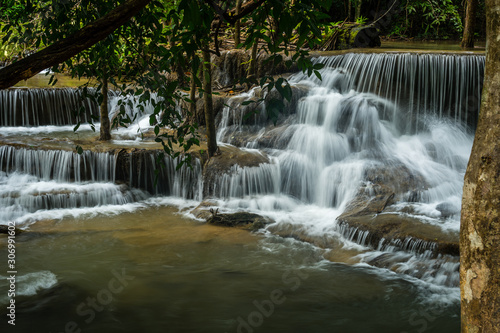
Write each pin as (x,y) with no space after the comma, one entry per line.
(382,136)
(50,184)
(38,107)
(369,159)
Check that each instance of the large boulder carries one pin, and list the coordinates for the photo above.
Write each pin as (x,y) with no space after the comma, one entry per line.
(399,231)
(370,220)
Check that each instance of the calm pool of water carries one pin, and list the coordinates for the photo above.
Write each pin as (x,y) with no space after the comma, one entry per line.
(155,270)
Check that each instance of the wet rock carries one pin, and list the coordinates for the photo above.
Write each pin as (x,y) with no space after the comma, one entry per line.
(368,217)
(385,184)
(401,232)
(4,229)
(447,209)
(223,163)
(242,220)
(276,137)
(255,115)
(298,232)
(230,67)
(202,211)
(396,178)
(199,116)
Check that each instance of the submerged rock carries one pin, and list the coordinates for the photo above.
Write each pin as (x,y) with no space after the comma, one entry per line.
(4,229)
(242,220)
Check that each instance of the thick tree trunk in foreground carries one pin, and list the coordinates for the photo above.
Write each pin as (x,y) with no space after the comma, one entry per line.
(69,47)
(480,222)
(470,17)
(105,125)
(209,108)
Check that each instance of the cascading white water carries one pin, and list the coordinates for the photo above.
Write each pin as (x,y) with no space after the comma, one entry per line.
(37,107)
(342,127)
(371,115)
(341,138)
(446,85)
(51,184)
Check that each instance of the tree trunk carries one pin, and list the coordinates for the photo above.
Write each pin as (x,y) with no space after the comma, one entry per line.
(105,125)
(480,220)
(196,113)
(252,66)
(377,11)
(70,46)
(358,9)
(192,94)
(349,10)
(237,25)
(209,108)
(470,17)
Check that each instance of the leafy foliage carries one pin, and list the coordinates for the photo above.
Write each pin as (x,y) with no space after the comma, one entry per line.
(167,35)
(428,19)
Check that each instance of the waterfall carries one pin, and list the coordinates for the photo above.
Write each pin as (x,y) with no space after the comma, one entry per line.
(377,125)
(165,179)
(46,106)
(396,126)
(58,165)
(407,114)
(41,184)
(445,85)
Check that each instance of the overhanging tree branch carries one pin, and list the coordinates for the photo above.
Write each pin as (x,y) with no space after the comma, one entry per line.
(70,46)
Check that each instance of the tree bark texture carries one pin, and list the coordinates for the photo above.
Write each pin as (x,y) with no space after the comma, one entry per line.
(105,124)
(349,10)
(237,29)
(252,66)
(192,94)
(358,9)
(69,47)
(209,108)
(470,17)
(480,220)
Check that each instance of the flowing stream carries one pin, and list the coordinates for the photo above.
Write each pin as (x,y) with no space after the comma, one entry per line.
(107,250)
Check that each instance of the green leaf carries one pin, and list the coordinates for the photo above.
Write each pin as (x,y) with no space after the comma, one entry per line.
(287,92)
(318,75)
